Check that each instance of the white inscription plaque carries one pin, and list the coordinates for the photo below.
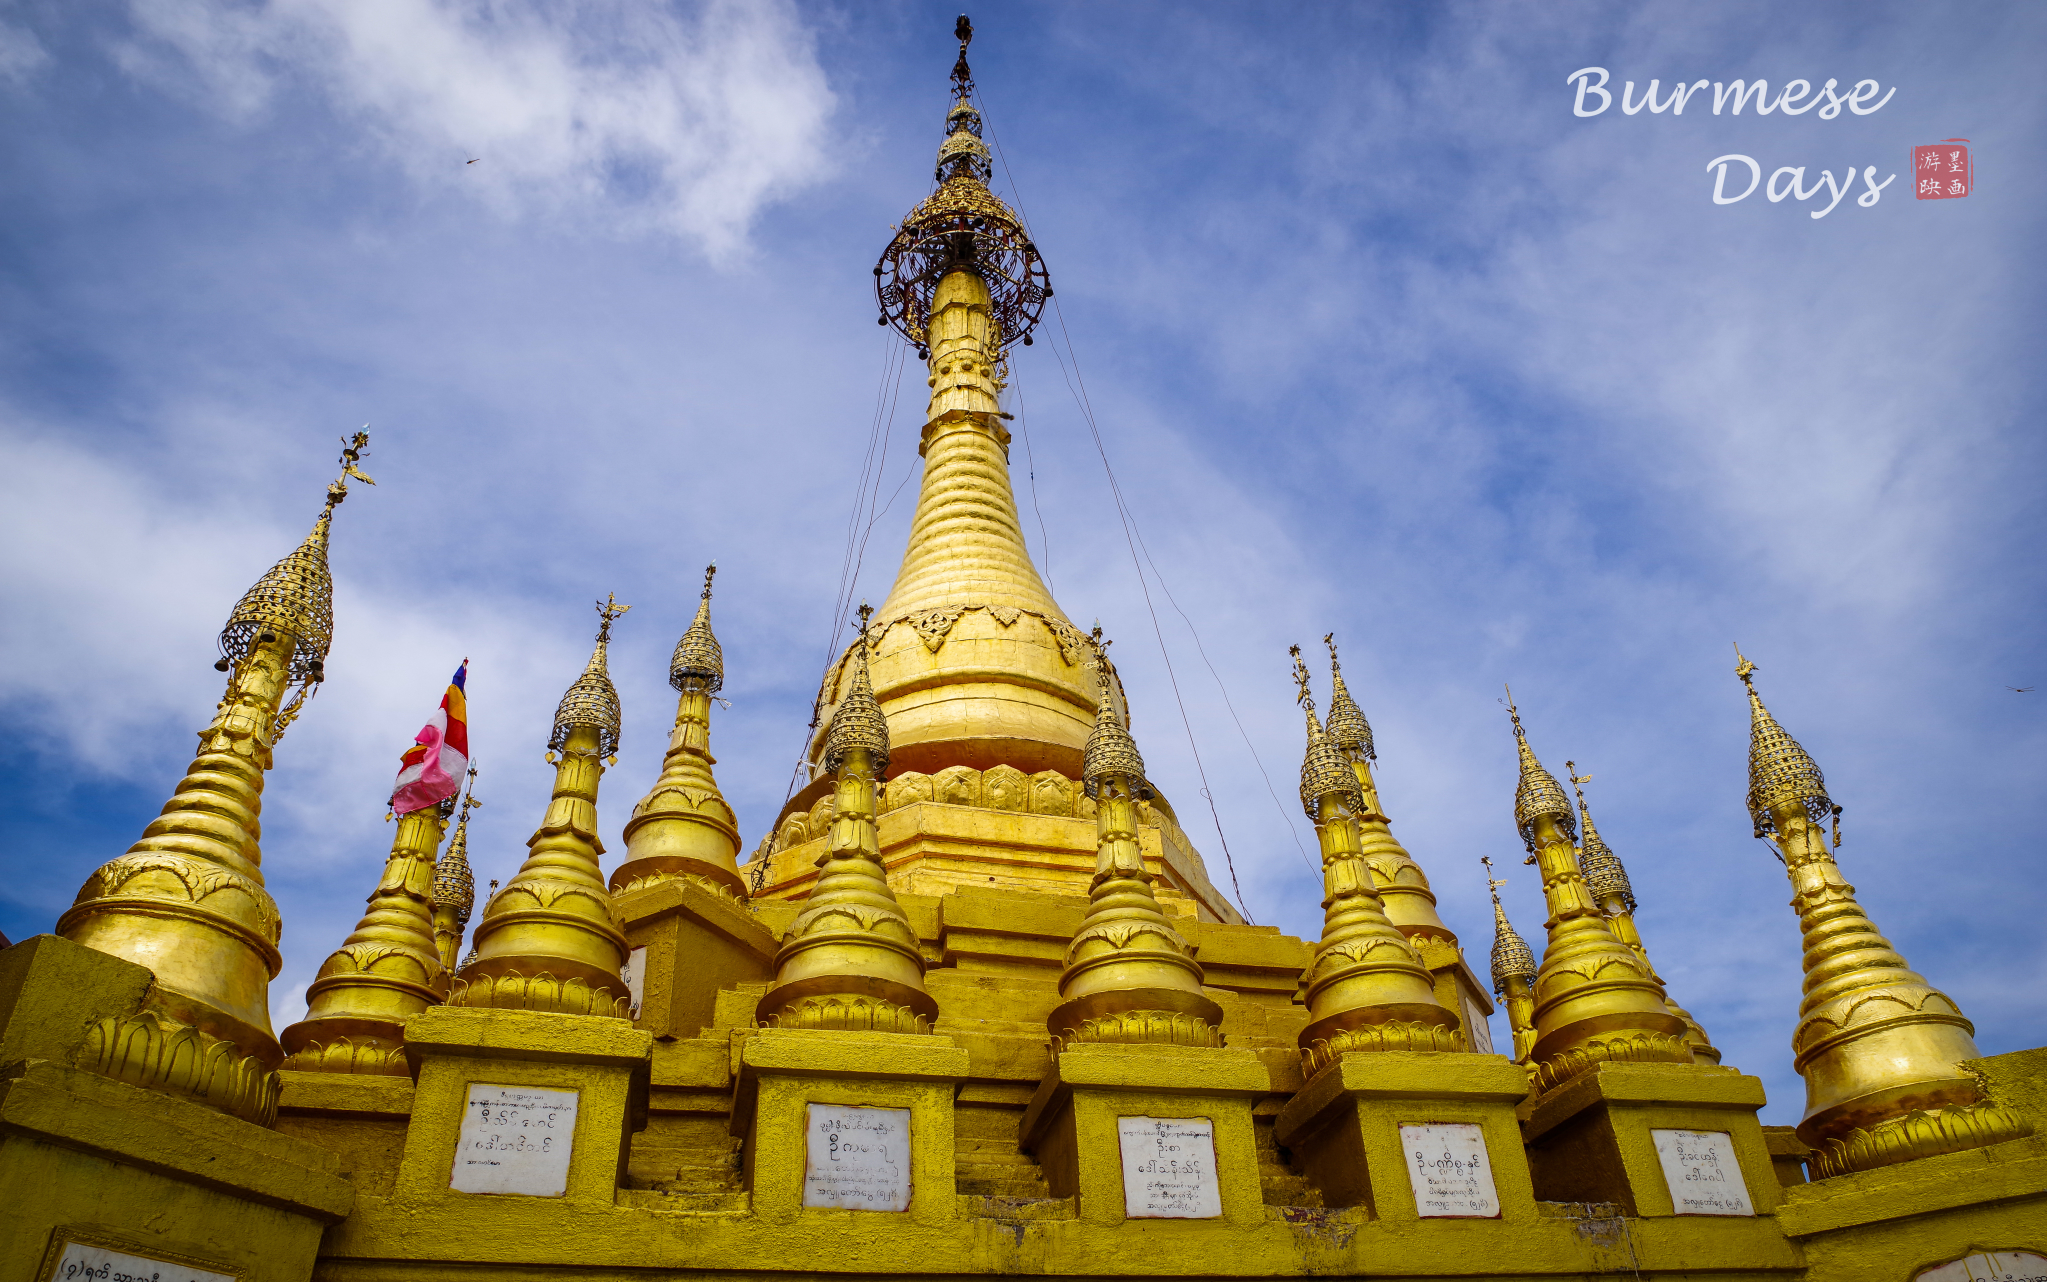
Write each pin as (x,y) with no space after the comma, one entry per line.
(1169,1168)
(515,1139)
(1990,1266)
(1448,1170)
(1703,1176)
(83,1262)
(634,973)
(857,1159)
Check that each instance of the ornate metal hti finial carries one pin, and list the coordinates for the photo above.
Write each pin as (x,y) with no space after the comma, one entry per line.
(592,700)
(1605,875)
(1346,721)
(1779,768)
(1538,793)
(698,657)
(962,226)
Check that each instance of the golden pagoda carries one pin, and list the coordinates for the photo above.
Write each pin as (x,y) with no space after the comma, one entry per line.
(1887,1058)
(973,1007)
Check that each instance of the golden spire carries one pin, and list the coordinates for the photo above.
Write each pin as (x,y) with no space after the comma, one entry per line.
(1403,886)
(684,826)
(972,660)
(454,887)
(1883,1053)
(1607,879)
(1367,988)
(1513,970)
(389,968)
(187,900)
(1593,997)
(548,941)
(1129,975)
(851,958)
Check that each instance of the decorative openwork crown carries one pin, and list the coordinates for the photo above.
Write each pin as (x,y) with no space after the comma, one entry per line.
(962,226)
(1605,875)
(1538,794)
(1110,749)
(1779,769)
(295,597)
(858,722)
(1512,958)
(1324,770)
(1346,723)
(592,700)
(697,656)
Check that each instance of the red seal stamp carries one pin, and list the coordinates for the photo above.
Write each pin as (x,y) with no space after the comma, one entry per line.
(1944,170)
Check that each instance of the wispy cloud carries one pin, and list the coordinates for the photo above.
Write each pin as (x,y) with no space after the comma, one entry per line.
(687,122)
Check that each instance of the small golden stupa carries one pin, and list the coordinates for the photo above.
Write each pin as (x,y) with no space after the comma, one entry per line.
(973,1007)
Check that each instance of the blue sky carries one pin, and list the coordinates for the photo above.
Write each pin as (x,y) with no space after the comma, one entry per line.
(1381,337)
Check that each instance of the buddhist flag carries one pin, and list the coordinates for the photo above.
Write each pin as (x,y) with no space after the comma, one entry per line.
(431,769)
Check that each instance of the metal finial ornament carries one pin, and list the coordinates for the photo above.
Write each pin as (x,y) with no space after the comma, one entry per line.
(1346,722)
(858,722)
(1512,958)
(1605,875)
(1324,769)
(1538,793)
(295,597)
(698,657)
(1110,749)
(962,226)
(1779,768)
(592,700)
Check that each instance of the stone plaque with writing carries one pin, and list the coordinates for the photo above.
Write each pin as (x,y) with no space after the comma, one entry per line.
(515,1139)
(856,1159)
(1448,1170)
(634,972)
(86,1262)
(1703,1175)
(1989,1266)
(1169,1168)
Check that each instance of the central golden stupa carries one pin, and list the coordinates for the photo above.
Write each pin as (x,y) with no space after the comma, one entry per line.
(973,1005)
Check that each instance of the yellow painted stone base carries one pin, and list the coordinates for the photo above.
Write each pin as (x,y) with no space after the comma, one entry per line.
(1588,1139)
(1071,1121)
(1344,1128)
(606,1061)
(784,1069)
(137,1170)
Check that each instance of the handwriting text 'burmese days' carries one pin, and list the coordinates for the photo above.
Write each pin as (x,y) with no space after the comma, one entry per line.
(1793,98)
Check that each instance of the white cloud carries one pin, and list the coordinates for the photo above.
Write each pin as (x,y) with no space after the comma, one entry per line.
(20,53)
(686,123)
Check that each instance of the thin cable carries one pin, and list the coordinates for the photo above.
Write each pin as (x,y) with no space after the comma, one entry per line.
(1044,540)
(1123,514)
(1158,630)
(887,392)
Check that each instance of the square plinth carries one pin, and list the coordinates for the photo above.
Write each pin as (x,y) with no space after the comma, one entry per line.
(521,1106)
(1593,1138)
(1413,1135)
(1151,1132)
(846,1124)
(102,1172)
